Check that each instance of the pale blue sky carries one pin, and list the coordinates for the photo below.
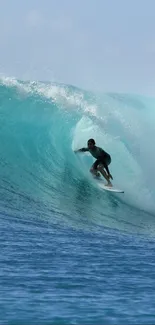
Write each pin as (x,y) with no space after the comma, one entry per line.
(106,45)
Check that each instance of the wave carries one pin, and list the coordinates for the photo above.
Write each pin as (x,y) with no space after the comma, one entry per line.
(41,124)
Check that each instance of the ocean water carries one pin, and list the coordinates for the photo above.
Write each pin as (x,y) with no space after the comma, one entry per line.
(71,253)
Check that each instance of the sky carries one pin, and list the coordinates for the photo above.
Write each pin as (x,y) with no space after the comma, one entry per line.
(102,45)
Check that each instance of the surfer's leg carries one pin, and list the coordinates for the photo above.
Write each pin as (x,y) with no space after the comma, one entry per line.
(94,170)
(104,174)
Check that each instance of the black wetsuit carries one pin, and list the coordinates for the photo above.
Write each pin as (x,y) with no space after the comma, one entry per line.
(102,157)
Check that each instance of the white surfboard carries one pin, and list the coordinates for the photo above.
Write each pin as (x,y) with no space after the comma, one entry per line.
(101,184)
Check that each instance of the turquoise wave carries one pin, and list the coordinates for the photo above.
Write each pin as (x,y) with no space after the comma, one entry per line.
(41,124)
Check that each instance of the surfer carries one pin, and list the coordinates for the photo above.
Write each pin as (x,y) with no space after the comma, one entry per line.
(103,159)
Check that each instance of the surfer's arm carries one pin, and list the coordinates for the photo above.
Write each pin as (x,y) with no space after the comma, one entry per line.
(82,150)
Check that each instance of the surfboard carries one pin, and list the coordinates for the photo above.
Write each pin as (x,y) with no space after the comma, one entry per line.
(101,184)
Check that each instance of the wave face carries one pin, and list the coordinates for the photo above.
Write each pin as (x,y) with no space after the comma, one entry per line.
(41,124)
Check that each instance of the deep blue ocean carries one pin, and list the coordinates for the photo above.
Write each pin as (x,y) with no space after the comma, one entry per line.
(70,252)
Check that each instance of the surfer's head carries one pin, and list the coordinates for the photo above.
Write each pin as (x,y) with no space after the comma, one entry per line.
(91,143)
